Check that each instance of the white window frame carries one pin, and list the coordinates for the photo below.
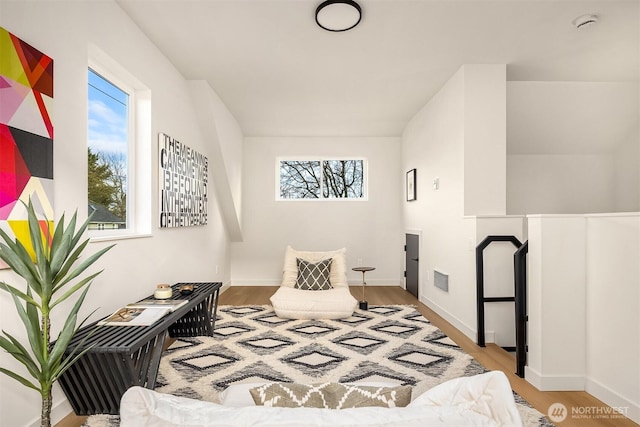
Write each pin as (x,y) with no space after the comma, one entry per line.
(139,148)
(365,178)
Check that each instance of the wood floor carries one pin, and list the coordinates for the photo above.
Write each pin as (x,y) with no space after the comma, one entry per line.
(491,357)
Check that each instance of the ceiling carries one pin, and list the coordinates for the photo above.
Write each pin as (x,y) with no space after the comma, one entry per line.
(280,74)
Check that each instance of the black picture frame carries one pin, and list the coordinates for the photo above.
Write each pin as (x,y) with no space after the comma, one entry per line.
(411,185)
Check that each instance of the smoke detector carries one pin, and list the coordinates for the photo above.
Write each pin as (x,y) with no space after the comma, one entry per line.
(584,21)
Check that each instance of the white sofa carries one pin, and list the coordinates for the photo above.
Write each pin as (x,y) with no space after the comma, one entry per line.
(291,303)
(481,400)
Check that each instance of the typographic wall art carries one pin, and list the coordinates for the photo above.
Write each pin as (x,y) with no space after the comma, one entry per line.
(411,185)
(26,135)
(184,176)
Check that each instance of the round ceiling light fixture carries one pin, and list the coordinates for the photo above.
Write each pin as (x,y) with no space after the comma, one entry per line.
(584,21)
(338,15)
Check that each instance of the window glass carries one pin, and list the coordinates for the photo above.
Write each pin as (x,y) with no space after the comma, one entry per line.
(108,148)
(321,179)
(343,179)
(299,179)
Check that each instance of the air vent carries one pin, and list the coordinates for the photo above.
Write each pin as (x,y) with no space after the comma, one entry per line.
(441,280)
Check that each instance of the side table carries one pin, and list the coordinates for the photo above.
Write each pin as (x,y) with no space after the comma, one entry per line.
(364,305)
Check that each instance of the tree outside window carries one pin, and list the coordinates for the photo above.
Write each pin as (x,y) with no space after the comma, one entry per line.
(322,179)
(343,179)
(299,179)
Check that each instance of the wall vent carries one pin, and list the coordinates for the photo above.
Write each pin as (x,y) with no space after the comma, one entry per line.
(441,280)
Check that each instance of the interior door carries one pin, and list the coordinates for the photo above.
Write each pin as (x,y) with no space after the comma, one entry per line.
(412,259)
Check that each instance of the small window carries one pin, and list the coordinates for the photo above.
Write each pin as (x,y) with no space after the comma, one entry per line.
(109,135)
(321,179)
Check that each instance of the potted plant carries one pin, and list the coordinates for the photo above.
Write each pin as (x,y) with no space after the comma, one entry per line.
(51,273)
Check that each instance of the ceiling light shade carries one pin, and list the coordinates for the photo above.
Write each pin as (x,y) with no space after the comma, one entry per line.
(584,21)
(338,15)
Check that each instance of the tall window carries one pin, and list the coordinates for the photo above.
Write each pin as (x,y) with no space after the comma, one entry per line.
(108,153)
(321,179)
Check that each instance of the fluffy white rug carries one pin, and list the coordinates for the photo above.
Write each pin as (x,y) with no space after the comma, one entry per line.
(252,345)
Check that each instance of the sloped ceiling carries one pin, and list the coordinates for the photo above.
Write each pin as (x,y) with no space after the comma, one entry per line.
(280,74)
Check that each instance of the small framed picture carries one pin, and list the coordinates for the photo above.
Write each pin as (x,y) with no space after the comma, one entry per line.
(411,185)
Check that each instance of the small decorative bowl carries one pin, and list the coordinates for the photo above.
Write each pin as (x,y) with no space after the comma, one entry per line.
(186,289)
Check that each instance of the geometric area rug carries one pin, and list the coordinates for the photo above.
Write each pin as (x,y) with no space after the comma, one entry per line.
(391,343)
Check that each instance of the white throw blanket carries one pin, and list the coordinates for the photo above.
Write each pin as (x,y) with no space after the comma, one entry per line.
(481,400)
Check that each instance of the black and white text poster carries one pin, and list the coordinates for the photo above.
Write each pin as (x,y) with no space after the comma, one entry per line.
(184,177)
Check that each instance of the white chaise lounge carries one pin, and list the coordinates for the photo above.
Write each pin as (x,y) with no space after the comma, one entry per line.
(304,294)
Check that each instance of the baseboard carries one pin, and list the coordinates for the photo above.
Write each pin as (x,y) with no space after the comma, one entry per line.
(243,282)
(225,286)
(554,382)
(375,282)
(598,390)
(533,377)
(457,323)
(489,337)
(624,405)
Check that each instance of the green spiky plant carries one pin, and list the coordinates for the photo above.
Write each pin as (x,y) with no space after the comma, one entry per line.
(48,276)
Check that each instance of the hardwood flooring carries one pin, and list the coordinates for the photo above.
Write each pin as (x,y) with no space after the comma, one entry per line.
(491,357)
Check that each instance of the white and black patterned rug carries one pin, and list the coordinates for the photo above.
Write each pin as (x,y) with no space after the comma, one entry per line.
(252,345)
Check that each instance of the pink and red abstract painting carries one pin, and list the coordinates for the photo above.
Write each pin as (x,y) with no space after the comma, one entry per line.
(26,134)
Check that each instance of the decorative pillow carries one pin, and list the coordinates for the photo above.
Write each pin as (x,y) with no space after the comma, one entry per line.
(313,276)
(330,395)
(338,266)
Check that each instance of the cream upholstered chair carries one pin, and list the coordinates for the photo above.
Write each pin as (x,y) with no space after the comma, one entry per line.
(304,293)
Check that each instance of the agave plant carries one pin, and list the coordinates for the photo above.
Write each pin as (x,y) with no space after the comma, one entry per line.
(48,272)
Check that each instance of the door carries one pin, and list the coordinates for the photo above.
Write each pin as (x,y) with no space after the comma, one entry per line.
(411,263)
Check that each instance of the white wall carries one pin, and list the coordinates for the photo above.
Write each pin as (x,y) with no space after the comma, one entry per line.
(572,147)
(626,175)
(230,135)
(584,305)
(485,139)
(435,142)
(556,302)
(224,138)
(563,184)
(613,310)
(64,30)
(371,230)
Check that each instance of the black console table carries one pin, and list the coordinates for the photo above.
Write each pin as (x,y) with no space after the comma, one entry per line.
(120,357)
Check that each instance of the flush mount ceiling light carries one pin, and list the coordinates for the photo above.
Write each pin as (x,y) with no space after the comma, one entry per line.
(584,21)
(338,15)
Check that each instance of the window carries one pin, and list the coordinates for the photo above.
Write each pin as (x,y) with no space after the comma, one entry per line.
(108,153)
(118,150)
(321,179)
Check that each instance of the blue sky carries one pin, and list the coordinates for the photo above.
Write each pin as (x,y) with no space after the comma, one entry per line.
(107,121)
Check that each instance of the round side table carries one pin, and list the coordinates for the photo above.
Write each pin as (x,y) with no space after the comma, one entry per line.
(363,303)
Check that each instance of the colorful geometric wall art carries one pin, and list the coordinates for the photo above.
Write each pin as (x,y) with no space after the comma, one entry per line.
(26,134)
